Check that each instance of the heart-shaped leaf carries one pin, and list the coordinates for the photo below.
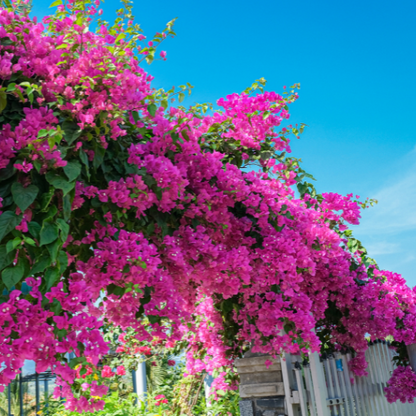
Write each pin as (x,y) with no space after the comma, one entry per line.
(24,197)
(8,221)
(59,182)
(48,233)
(12,275)
(72,170)
(5,257)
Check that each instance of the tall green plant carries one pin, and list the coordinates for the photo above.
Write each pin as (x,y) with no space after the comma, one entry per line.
(29,402)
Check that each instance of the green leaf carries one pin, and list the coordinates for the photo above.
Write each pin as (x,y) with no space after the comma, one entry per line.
(51,276)
(98,156)
(266,114)
(113,289)
(302,188)
(72,170)
(8,221)
(46,199)
(181,97)
(75,361)
(151,108)
(20,95)
(12,275)
(7,41)
(64,227)
(12,244)
(71,131)
(59,182)
(135,115)
(150,228)
(5,257)
(84,159)
(67,207)
(153,319)
(24,197)
(120,36)
(48,233)
(7,172)
(42,133)
(3,101)
(159,193)
(63,261)
(185,135)
(53,249)
(56,3)
(34,229)
(51,212)
(56,307)
(41,264)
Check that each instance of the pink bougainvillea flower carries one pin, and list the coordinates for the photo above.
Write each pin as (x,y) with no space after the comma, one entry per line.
(109,39)
(24,166)
(107,372)
(121,371)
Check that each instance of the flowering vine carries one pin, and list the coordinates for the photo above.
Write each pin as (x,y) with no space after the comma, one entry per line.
(118,207)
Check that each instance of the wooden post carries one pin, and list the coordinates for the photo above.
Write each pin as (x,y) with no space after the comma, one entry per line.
(261,388)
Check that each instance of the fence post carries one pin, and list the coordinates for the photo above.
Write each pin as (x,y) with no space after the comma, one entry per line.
(37,391)
(22,413)
(319,384)
(411,351)
(141,383)
(207,387)
(9,400)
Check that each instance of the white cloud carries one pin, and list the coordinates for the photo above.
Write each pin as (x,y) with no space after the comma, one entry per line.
(382,247)
(396,208)
(388,230)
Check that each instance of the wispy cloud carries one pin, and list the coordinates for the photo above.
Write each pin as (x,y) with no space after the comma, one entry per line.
(382,247)
(396,209)
(388,230)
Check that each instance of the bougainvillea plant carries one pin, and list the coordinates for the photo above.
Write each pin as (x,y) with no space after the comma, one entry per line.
(118,207)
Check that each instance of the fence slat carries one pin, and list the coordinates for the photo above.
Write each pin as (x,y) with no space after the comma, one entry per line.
(336,383)
(301,388)
(319,385)
(286,366)
(378,391)
(309,387)
(343,389)
(385,372)
(322,380)
(355,405)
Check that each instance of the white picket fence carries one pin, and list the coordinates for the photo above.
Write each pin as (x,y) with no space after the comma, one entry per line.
(327,388)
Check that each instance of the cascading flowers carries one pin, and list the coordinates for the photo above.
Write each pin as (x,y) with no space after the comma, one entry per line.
(117,207)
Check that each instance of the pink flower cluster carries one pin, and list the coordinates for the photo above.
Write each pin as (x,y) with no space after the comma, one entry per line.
(160,399)
(187,245)
(402,385)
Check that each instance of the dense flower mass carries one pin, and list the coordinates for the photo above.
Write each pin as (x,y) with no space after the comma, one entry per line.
(117,207)
(402,385)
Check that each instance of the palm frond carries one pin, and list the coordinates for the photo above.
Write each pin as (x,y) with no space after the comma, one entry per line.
(155,376)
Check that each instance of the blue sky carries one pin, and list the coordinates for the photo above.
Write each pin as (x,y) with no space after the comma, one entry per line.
(356,64)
